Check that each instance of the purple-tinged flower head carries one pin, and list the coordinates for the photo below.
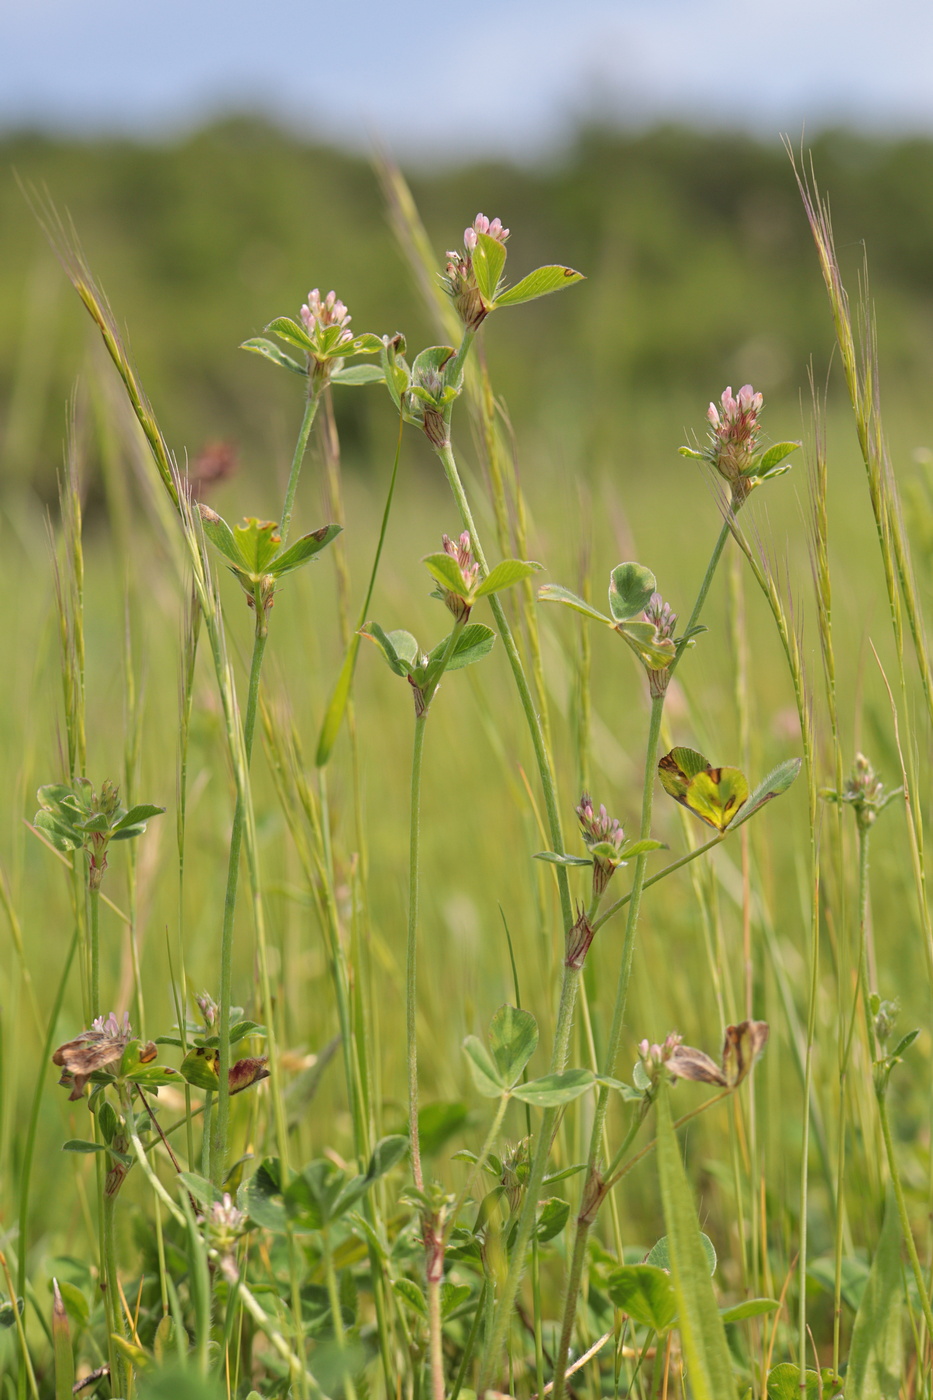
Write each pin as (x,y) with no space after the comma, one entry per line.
(460,602)
(604,838)
(662,616)
(459,277)
(208,1008)
(654,1057)
(223,1226)
(110,1028)
(734,430)
(664,620)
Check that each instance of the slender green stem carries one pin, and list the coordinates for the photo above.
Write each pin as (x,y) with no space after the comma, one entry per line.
(502,1317)
(542,757)
(113,1310)
(20,1329)
(301,446)
(704,589)
(94,937)
(222,1115)
(661,875)
(411,973)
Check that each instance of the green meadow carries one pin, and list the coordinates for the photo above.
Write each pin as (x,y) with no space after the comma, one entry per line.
(130,643)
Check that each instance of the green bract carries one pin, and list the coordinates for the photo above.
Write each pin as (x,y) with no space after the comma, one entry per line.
(252,549)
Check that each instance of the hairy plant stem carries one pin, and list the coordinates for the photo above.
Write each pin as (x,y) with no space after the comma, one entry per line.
(593,1186)
(411,966)
(94,948)
(542,757)
(118,1369)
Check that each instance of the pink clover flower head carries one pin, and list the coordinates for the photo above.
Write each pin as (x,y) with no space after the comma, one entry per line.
(224,1215)
(734,430)
(460,601)
(320,314)
(459,277)
(491,227)
(597,826)
(109,1029)
(462,551)
(662,616)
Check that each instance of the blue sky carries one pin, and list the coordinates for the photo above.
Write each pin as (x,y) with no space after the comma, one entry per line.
(511,76)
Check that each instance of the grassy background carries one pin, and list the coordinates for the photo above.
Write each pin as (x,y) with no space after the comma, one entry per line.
(701,273)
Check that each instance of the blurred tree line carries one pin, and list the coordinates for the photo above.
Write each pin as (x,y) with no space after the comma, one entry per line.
(700,265)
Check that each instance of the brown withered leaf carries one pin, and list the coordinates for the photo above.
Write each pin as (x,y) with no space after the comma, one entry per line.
(741,1048)
(79,1058)
(247,1072)
(686,1062)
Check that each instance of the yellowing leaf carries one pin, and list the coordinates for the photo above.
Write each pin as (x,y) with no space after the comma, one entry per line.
(715,795)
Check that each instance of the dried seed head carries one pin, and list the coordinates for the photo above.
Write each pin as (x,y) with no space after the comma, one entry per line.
(579,939)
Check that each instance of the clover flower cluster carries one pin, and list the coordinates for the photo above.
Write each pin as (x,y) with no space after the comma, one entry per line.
(110,1030)
(460,604)
(655,1057)
(663,619)
(460,279)
(864,790)
(604,838)
(734,430)
(319,315)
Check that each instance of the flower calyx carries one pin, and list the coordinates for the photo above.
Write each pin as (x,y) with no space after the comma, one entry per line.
(579,937)
(733,449)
